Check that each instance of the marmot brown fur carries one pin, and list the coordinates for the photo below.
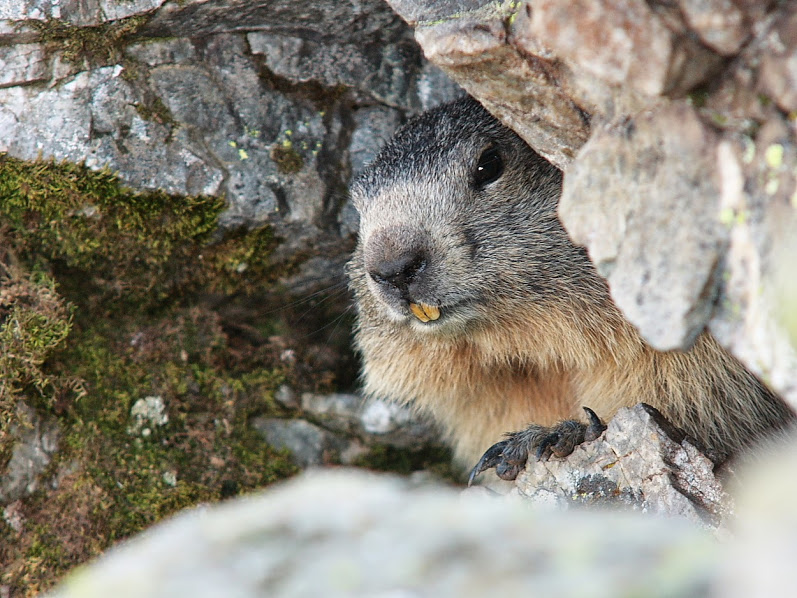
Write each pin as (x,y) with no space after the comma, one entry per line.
(475,306)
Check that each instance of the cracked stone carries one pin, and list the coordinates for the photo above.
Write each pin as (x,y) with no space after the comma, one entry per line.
(636,464)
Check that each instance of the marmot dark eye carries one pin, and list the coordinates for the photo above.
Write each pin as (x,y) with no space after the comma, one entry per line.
(489,168)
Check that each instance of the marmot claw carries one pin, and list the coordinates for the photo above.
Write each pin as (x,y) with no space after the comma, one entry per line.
(509,456)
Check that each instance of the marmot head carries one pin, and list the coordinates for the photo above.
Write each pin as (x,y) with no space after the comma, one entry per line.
(457,218)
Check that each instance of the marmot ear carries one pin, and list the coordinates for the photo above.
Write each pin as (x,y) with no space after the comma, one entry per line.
(489,168)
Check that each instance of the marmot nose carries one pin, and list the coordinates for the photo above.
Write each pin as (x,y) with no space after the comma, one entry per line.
(400,271)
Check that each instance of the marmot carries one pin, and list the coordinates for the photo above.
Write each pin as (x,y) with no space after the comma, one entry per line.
(475,306)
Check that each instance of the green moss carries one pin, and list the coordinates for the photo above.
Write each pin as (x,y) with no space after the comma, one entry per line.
(101,304)
(139,246)
(156,111)
(34,321)
(405,461)
(101,44)
(287,159)
(719,119)
(122,481)
(697,97)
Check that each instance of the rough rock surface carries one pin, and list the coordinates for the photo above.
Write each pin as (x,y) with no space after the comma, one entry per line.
(37,441)
(639,463)
(347,534)
(343,426)
(672,123)
(630,163)
(309,444)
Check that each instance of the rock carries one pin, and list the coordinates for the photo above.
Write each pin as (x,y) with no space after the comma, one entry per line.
(758,210)
(639,463)
(624,43)
(374,126)
(760,559)
(368,69)
(286,397)
(471,47)
(338,411)
(343,428)
(650,232)
(721,24)
(75,12)
(146,414)
(435,88)
(37,442)
(349,534)
(358,20)
(598,99)
(778,78)
(310,445)
(24,63)
(374,421)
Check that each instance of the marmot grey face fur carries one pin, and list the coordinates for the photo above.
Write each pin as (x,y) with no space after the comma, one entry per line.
(458,218)
(475,306)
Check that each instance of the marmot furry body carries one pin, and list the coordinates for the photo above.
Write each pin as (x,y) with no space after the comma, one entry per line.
(475,306)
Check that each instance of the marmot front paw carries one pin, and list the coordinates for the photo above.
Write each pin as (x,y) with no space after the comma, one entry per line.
(509,456)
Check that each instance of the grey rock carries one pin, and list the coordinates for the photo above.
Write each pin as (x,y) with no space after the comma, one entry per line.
(760,559)
(472,49)
(36,443)
(778,75)
(337,410)
(91,116)
(651,232)
(421,12)
(146,414)
(379,72)
(113,10)
(211,97)
(155,52)
(721,24)
(15,519)
(286,397)
(309,444)
(373,128)
(434,87)
(346,534)
(23,63)
(357,20)
(340,427)
(638,463)
(75,12)
(372,420)
(348,219)
(753,308)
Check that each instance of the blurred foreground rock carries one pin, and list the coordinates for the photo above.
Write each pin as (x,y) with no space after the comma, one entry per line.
(348,533)
(352,534)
